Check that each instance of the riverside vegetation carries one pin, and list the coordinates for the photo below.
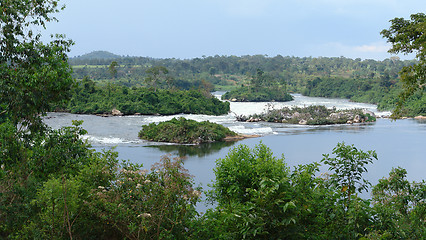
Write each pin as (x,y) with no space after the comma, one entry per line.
(370,81)
(181,130)
(53,185)
(88,97)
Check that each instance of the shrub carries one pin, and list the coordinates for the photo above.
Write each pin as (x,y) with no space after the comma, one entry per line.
(183,130)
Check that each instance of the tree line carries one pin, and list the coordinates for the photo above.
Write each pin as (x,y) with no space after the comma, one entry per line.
(368,81)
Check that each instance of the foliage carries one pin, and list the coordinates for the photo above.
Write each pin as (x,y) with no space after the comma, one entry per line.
(54,186)
(155,75)
(383,92)
(408,36)
(258,197)
(263,88)
(367,80)
(33,75)
(261,94)
(59,188)
(253,194)
(147,205)
(183,130)
(348,167)
(90,98)
(400,207)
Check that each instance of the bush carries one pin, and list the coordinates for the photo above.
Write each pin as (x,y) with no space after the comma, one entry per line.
(183,130)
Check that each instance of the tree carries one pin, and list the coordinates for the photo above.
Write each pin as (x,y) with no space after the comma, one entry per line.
(408,36)
(113,72)
(155,75)
(400,206)
(33,75)
(113,69)
(348,166)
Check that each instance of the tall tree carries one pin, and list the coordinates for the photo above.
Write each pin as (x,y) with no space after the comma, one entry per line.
(408,36)
(33,75)
(113,69)
(155,75)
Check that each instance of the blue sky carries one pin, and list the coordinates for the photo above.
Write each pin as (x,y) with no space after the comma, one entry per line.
(193,28)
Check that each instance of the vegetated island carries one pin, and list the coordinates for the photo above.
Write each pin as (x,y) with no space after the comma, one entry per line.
(187,131)
(112,99)
(312,115)
(263,88)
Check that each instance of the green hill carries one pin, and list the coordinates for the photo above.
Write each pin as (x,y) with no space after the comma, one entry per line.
(98,55)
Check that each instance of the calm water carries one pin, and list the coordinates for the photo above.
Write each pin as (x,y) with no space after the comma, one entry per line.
(397,143)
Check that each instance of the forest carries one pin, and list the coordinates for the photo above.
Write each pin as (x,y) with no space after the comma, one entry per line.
(54,185)
(368,81)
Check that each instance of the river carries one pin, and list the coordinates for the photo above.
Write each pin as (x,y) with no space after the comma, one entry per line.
(397,143)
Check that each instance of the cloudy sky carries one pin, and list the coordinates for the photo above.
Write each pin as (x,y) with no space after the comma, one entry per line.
(193,28)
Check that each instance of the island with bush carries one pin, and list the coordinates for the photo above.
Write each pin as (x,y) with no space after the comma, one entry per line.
(312,115)
(186,131)
(87,97)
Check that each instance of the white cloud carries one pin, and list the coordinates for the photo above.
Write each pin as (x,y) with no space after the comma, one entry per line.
(378,47)
(375,50)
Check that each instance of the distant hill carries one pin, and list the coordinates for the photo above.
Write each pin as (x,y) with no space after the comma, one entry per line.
(98,55)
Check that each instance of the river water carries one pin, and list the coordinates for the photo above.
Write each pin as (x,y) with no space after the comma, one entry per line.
(397,143)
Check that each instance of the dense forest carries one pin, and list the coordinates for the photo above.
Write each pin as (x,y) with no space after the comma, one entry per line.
(366,80)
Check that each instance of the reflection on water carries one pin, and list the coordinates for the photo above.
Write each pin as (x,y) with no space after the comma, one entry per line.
(192,150)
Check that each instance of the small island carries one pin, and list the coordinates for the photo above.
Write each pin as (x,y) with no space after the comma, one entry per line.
(262,88)
(186,131)
(88,97)
(312,115)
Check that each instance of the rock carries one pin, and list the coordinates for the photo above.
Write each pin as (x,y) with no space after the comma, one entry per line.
(334,116)
(303,122)
(233,100)
(357,119)
(296,115)
(365,111)
(137,114)
(116,112)
(349,122)
(420,117)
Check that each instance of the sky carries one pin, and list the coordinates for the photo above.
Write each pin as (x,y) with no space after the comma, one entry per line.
(187,29)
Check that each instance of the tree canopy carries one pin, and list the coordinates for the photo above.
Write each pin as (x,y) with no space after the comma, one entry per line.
(33,75)
(408,36)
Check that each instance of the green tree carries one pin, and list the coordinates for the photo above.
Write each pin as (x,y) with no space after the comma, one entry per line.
(156,75)
(113,69)
(348,167)
(408,36)
(254,197)
(400,207)
(33,75)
